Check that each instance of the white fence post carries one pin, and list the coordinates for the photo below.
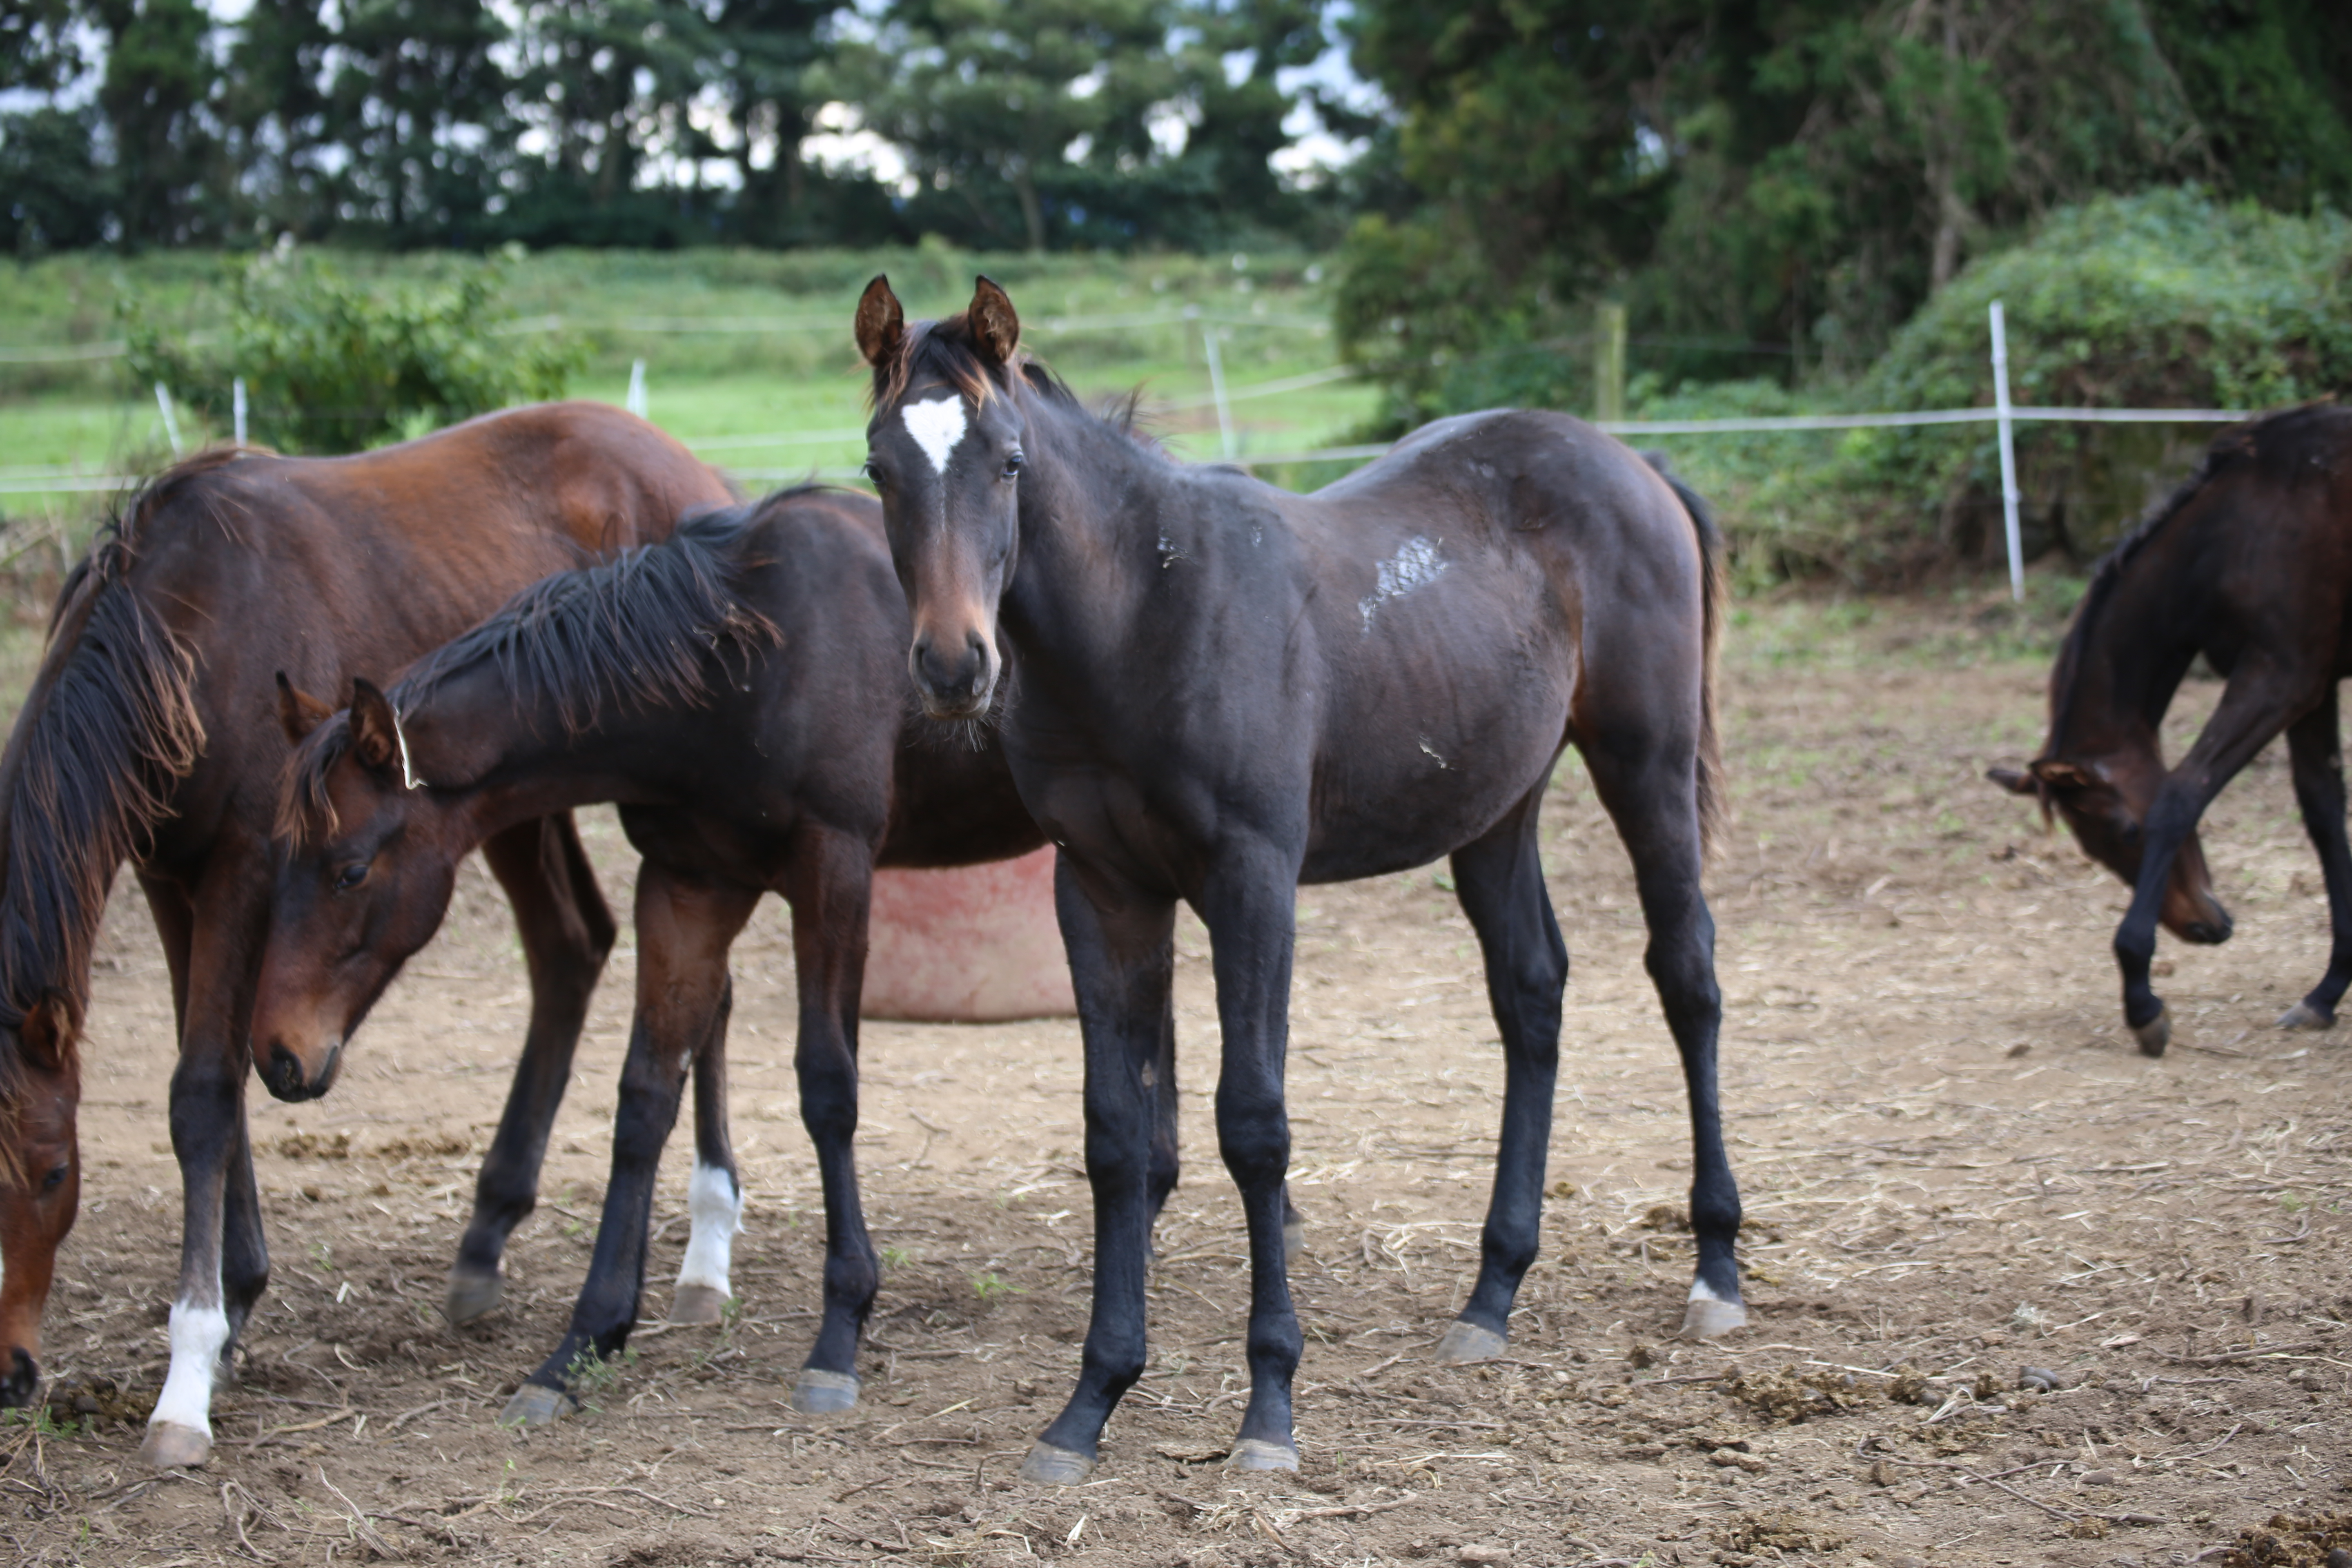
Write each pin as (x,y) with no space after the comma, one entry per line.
(237,407)
(1217,388)
(171,424)
(2007,456)
(636,404)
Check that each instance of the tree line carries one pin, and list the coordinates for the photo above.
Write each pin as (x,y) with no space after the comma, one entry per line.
(1769,188)
(462,123)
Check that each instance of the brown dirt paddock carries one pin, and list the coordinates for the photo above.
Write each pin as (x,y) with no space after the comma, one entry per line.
(1954,1164)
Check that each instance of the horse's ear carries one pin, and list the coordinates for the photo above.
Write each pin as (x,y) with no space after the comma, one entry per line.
(995,326)
(375,732)
(2059,774)
(2016,781)
(48,1032)
(298,710)
(881,322)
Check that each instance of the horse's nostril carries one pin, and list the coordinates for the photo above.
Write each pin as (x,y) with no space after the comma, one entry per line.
(284,1074)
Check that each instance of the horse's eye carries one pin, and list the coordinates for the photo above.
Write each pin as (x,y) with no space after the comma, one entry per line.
(353,875)
(873,472)
(1012,466)
(53,1180)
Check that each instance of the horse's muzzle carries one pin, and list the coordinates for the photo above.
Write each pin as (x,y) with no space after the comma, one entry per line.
(953,683)
(24,1376)
(2209,932)
(286,1080)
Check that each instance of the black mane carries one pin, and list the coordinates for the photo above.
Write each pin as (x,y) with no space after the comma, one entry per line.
(634,630)
(111,726)
(2279,440)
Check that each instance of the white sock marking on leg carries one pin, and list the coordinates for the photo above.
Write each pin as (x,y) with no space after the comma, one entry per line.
(198,1333)
(1703,1292)
(716,1208)
(937,427)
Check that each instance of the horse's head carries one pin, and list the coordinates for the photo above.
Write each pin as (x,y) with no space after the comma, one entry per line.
(944,451)
(2105,802)
(40,1182)
(367,862)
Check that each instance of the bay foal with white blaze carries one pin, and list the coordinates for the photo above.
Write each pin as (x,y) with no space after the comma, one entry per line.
(1219,689)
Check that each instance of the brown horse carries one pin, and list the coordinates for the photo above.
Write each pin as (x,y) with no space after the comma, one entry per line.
(1219,691)
(738,689)
(153,732)
(2250,563)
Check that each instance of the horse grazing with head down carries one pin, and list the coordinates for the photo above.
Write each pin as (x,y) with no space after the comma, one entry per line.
(2250,563)
(1212,689)
(153,731)
(737,689)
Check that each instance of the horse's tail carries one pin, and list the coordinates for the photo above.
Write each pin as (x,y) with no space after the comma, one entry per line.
(108,727)
(1714,805)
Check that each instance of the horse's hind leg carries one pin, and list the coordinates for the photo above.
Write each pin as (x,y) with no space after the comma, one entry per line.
(829,884)
(1499,879)
(566,931)
(714,1203)
(1646,786)
(2314,743)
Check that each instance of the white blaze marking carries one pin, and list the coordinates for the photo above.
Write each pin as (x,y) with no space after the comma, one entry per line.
(716,1210)
(937,426)
(198,1333)
(1416,565)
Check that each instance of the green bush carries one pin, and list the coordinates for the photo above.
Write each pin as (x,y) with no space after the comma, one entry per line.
(330,365)
(2164,299)
(2167,299)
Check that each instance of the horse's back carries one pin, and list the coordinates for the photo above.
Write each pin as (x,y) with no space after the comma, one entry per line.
(328,568)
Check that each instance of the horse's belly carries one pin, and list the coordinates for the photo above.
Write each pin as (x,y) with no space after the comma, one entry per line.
(1401,800)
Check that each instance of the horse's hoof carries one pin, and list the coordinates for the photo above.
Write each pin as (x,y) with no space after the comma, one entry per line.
(1705,1317)
(1257,1454)
(2303,1016)
(1047,1465)
(472,1293)
(1466,1341)
(816,1393)
(536,1404)
(2154,1034)
(696,1306)
(1294,1241)
(169,1446)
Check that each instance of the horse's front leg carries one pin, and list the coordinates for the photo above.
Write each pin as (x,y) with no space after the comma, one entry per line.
(224,1257)
(684,928)
(2315,745)
(1500,883)
(2254,706)
(567,932)
(829,883)
(1248,901)
(1121,944)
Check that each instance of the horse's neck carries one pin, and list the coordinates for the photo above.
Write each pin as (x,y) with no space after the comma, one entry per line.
(518,760)
(1079,572)
(2138,652)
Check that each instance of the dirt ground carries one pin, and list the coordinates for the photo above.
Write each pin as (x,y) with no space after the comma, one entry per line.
(1954,1167)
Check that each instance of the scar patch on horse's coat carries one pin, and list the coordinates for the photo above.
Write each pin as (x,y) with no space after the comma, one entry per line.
(1416,565)
(937,426)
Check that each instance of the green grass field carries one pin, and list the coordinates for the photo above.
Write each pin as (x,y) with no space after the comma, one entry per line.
(748,356)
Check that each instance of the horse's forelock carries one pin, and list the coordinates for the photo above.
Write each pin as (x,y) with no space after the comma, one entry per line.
(943,350)
(305,813)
